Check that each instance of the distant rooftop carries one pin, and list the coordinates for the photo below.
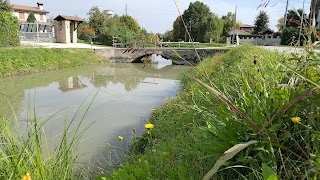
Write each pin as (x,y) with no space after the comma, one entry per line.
(246,26)
(239,32)
(28,8)
(70,18)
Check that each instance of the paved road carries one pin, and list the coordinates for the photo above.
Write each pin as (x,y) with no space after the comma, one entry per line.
(61,45)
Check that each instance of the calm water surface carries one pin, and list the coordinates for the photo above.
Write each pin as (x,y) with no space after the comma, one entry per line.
(122,96)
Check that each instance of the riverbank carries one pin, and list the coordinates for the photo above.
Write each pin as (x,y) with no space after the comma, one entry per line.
(193,130)
(16,61)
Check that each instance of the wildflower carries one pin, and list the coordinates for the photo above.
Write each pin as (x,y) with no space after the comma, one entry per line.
(26,177)
(296,119)
(120,138)
(207,92)
(282,85)
(134,130)
(149,126)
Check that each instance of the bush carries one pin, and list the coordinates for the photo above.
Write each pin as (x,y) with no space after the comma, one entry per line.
(8,30)
(85,33)
(289,36)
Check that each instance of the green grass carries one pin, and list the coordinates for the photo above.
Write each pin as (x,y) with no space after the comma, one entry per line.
(196,45)
(25,147)
(14,61)
(193,130)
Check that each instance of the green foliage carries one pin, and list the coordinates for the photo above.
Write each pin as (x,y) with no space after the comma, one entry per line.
(31,18)
(85,32)
(179,32)
(27,151)
(289,35)
(25,60)
(8,30)
(294,18)
(261,22)
(124,29)
(192,131)
(130,23)
(228,23)
(5,6)
(97,20)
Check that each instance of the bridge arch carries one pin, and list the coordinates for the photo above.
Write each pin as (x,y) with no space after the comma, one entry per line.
(139,59)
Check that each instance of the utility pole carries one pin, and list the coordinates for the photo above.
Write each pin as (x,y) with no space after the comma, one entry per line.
(301,23)
(285,15)
(126,10)
(313,11)
(234,26)
(190,31)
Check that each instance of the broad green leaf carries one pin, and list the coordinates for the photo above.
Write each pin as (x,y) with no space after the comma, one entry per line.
(230,153)
(268,173)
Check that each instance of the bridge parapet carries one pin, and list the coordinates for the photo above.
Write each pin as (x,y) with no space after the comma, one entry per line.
(128,55)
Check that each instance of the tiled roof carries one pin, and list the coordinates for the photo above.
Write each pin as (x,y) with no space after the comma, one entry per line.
(27,8)
(70,18)
(246,26)
(239,32)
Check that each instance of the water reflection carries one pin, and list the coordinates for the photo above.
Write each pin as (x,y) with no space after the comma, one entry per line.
(126,95)
(71,84)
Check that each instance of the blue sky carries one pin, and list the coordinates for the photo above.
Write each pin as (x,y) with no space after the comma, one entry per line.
(158,16)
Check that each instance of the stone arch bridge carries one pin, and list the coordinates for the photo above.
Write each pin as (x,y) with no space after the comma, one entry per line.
(177,55)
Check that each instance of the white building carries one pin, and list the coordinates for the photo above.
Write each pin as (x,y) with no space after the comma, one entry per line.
(22,12)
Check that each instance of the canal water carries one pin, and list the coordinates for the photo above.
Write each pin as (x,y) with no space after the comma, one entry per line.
(122,95)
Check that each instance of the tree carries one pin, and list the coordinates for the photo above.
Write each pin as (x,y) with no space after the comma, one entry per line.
(178,32)
(130,23)
(294,17)
(228,23)
(31,18)
(193,17)
(261,22)
(5,6)
(280,24)
(97,20)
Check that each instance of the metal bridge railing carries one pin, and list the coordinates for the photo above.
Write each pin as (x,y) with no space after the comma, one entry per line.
(37,32)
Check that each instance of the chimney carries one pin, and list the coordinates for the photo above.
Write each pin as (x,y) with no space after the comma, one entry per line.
(40,5)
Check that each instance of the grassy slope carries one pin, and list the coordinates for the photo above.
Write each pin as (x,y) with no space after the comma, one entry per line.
(194,129)
(26,60)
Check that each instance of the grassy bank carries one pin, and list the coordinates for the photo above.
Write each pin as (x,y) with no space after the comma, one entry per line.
(193,130)
(14,61)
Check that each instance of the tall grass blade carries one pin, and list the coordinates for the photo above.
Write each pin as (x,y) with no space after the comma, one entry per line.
(230,153)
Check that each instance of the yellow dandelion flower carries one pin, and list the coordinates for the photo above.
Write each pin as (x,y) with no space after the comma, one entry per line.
(26,177)
(120,138)
(296,119)
(149,126)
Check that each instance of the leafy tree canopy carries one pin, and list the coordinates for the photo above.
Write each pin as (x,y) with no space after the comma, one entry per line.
(130,23)
(5,6)
(97,20)
(294,17)
(261,22)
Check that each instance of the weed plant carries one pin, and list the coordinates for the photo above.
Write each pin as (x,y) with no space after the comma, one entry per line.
(278,94)
(27,152)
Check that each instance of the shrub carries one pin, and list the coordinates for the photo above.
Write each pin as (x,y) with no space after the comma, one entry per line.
(8,30)
(85,33)
(289,36)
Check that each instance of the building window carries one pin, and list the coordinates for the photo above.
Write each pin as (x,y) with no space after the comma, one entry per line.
(21,15)
(41,17)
